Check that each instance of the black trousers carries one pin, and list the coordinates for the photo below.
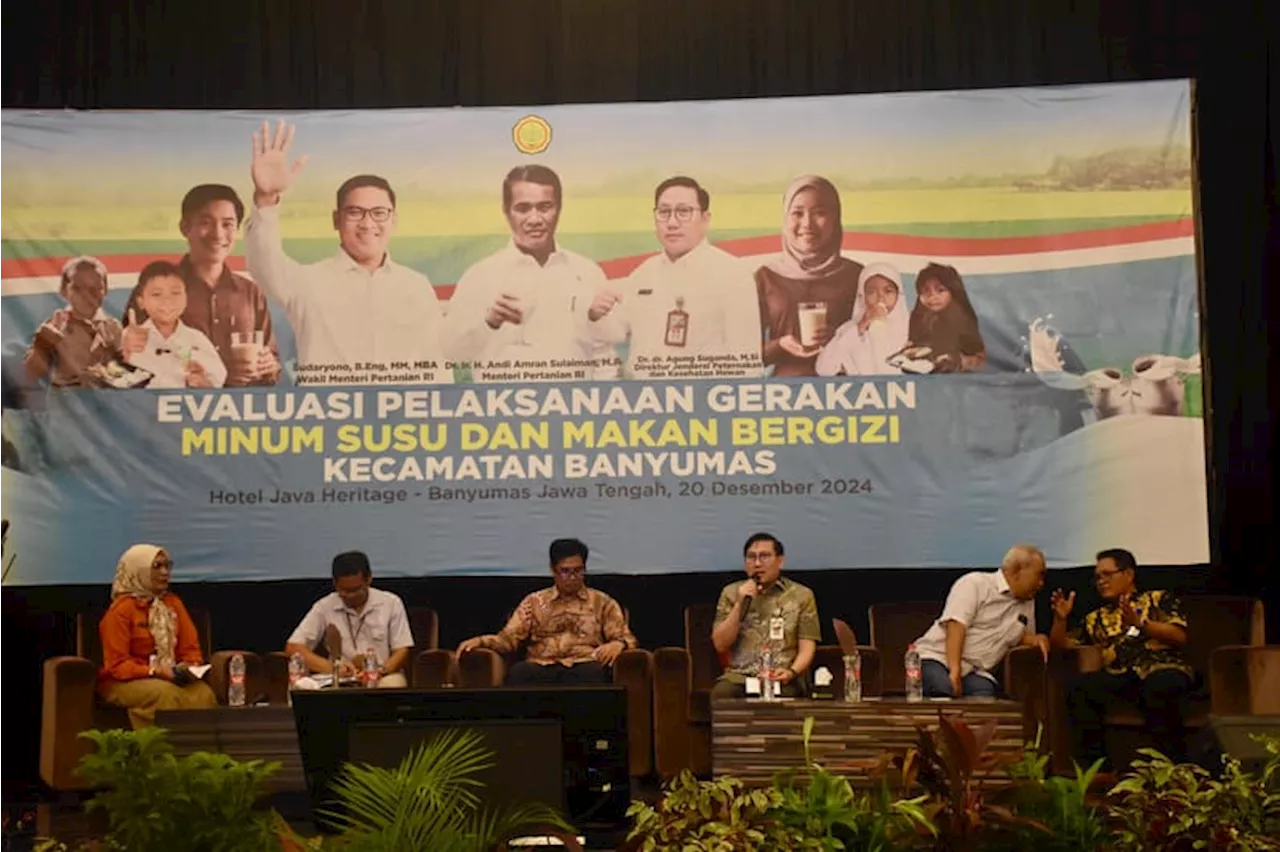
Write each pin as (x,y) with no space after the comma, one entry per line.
(1161,697)
(525,673)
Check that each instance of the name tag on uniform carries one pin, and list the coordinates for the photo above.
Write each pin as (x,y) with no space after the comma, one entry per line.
(777,629)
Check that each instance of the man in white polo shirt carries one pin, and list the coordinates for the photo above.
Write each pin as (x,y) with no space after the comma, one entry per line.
(690,311)
(358,313)
(987,614)
(527,303)
(366,618)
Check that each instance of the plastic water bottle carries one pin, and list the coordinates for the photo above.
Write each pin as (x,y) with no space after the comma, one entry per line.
(235,690)
(915,687)
(853,676)
(768,687)
(297,671)
(370,673)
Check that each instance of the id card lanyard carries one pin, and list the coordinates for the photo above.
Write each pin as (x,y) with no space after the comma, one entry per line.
(677,325)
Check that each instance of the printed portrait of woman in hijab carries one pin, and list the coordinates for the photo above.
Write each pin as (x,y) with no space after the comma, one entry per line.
(808,290)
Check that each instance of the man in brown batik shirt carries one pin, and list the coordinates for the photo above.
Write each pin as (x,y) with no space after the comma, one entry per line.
(573,633)
(220,303)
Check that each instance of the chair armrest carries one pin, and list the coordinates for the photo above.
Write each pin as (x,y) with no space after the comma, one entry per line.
(255,675)
(1078,659)
(68,688)
(481,667)
(276,671)
(672,682)
(872,671)
(1025,681)
(434,669)
(1064,668)
(1244,680)
(633,670)
(1024,673)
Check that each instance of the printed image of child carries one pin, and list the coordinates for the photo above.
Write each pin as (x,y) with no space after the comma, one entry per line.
(878,329)
(156,339)
(943,326)
(78,336)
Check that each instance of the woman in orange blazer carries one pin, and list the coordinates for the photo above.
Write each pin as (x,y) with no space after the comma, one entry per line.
(149,641)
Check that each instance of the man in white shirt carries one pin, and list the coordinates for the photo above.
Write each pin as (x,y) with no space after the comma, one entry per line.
(521,308)
(367,619)
(691,310)
(358,314)
(987,615)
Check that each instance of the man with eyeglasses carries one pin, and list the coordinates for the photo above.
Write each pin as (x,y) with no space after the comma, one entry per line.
(1142,635)
(691,310)
(766,610)
(519,309)
(358,312)
(367,620)
(987,615)
(573,633)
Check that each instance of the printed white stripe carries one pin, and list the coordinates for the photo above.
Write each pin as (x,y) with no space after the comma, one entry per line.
(1038,262)
(967,265)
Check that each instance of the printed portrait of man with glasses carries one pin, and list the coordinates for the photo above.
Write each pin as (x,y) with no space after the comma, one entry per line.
(691,310)
(357,310)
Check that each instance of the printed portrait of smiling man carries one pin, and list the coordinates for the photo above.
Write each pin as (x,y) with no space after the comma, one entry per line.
(221,304)
(357,309)
(529,301)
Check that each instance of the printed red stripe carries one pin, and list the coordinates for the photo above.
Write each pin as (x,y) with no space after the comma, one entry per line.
(940,247)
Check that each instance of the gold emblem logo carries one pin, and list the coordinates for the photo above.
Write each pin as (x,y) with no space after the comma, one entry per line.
(531,134)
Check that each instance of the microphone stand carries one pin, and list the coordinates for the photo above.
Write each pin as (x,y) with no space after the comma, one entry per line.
(4,539)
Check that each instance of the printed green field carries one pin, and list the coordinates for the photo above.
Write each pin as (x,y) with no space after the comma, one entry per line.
(754,213)
(444,259)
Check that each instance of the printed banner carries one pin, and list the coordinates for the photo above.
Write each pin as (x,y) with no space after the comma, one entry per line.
(895,330)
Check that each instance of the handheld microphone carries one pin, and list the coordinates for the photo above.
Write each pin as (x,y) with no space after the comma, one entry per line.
(747,599)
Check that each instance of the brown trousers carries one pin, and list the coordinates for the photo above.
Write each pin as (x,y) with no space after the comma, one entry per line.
(143,697)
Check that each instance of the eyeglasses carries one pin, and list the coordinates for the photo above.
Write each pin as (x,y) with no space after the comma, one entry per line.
(683,213)
(571,571)
(1104,576)
(761,557)
(162,565)
(357,214)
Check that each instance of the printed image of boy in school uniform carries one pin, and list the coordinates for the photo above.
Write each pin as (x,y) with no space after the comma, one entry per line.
(156,339)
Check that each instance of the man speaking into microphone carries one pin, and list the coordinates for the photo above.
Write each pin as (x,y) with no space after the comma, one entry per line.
(764,612)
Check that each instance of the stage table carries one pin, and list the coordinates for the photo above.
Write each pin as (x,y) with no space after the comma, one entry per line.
(752,740)
(244,733)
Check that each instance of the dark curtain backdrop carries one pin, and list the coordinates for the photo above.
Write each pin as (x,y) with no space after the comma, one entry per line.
(314,54)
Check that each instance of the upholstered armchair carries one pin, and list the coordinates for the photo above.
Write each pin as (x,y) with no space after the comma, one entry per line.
(70,702)
(894,626)
(483,667)
(1237,674)
(424,624)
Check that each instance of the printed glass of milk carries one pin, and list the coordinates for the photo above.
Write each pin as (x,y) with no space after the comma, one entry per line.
(526,304)
(813,319)
(245,346)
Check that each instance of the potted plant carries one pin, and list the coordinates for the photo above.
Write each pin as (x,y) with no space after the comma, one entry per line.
(154,800)
(430,801)
(204,802)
